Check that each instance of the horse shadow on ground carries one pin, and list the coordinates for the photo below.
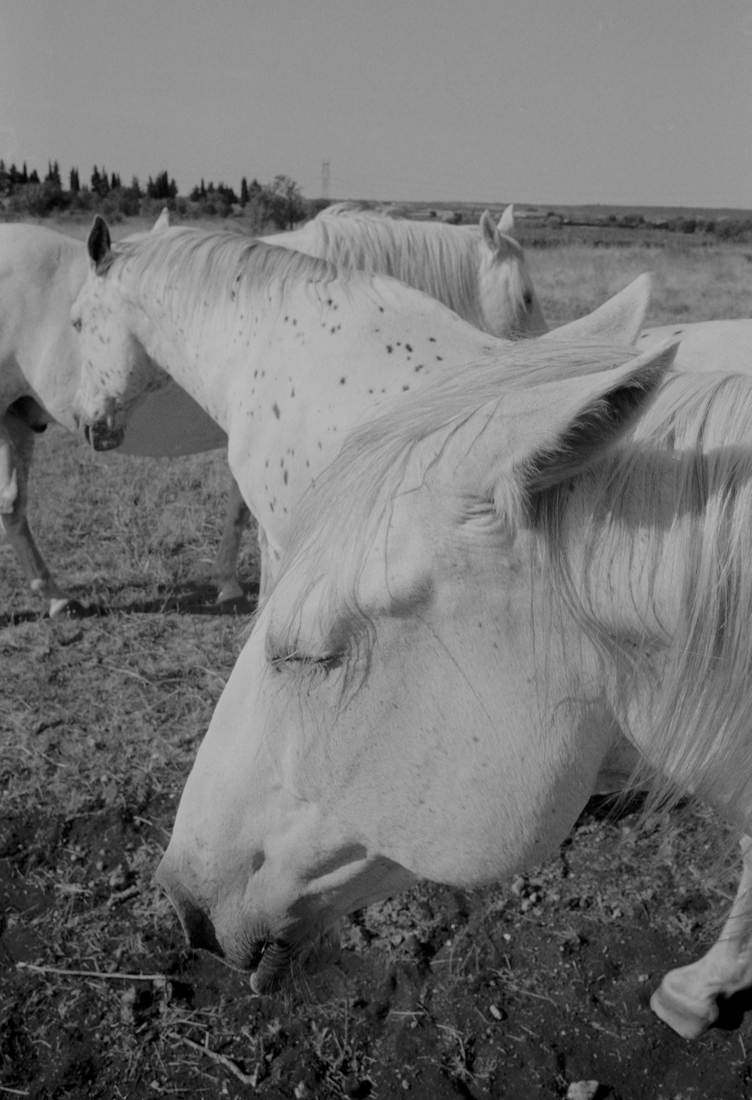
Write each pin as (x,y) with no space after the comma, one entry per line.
(192,598)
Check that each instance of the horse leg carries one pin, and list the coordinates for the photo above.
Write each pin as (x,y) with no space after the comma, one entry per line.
(266,577)
(226,561)
(687,998)
(16,450)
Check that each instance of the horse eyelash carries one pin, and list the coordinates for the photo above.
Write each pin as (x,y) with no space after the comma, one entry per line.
(303,662)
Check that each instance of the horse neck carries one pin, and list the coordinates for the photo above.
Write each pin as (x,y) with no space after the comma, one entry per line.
(188,346)
(47,355)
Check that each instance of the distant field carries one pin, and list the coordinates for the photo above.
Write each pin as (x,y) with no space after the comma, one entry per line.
(515,992)
(691,284)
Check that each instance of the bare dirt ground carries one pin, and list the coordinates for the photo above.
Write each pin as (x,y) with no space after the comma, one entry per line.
(518,991)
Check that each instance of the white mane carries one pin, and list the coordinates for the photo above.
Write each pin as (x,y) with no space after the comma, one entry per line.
(439,259)
(219,271)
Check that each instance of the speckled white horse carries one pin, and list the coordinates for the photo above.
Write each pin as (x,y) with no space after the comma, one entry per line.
(479,272)
(491,587)
(286,352)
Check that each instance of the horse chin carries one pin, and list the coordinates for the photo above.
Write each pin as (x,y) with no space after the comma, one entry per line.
(103,437)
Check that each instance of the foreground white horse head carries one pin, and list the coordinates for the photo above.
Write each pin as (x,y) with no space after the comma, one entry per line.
(479,598)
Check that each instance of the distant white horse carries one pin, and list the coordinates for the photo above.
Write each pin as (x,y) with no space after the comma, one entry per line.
(482,596)
(41,273)
(285,352)
(480,273)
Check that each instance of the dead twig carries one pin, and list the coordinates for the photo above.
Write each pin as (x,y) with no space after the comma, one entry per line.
(221,1059)
(106,975)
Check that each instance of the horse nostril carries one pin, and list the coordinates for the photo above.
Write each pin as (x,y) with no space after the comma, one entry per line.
(87,434)
(199,930)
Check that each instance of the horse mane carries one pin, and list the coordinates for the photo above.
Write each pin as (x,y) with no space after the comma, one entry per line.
(217,270)
(439,259)
(692,444)
(696,432)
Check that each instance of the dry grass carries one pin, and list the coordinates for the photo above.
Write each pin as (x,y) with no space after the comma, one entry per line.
(692,283)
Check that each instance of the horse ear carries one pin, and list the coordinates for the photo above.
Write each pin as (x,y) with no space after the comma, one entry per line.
(162,222)
(539,436)
(596,422)
(620,320)
(506,221)
(489,232)
(99,243)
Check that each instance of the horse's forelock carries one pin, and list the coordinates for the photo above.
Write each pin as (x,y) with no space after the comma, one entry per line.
(356,494)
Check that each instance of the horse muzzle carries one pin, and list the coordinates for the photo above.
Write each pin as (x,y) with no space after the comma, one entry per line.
(103,435)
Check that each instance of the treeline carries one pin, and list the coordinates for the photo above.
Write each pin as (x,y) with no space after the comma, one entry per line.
(279,204)
(724,228)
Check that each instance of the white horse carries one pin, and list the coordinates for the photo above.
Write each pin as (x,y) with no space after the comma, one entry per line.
(706,345)
(489,588)
(41,273)
(285,352)
(480,273)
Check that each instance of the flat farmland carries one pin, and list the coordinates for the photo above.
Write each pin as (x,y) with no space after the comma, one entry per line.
(516,991)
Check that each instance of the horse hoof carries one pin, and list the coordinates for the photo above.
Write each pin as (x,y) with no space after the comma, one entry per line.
(676,1009)
(71,609)
(230,593)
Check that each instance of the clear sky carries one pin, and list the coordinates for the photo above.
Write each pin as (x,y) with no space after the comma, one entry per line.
(547,101)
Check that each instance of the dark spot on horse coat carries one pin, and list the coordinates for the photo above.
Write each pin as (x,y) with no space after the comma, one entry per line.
(389,348)
(275,410)
(417,367)
(408,348)
(285,477)
(341,381)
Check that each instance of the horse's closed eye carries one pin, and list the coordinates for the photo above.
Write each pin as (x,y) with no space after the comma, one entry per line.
(300,662)
(77,324)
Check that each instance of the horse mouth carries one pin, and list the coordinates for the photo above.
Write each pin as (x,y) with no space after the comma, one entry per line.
(102,436)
